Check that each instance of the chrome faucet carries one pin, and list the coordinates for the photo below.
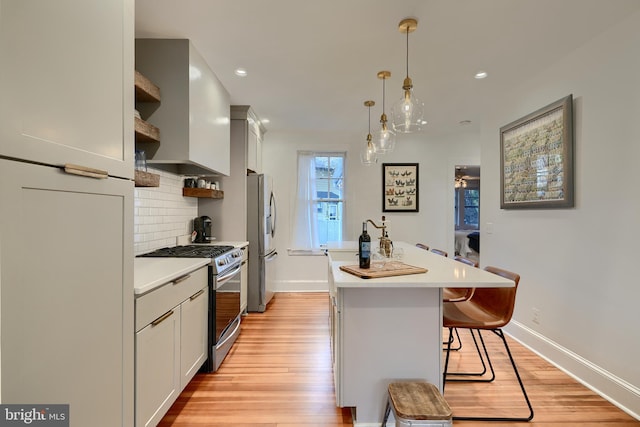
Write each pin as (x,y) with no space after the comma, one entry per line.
(386,245)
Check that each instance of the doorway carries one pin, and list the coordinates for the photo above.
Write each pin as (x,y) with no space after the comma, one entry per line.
(467,211)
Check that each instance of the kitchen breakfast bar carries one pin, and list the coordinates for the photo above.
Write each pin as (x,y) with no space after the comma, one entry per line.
(390,328)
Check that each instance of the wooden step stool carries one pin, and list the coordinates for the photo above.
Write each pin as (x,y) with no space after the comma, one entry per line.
(417,403)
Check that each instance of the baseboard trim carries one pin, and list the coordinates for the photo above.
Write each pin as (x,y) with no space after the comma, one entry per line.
(301,286)
(621,393)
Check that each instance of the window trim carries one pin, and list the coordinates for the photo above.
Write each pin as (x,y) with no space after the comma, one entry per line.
(317,200)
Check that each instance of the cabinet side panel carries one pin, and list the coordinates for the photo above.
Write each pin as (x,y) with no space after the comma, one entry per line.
(209,115)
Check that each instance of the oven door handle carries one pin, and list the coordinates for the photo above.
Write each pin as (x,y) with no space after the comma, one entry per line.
(220,344)
(220,280)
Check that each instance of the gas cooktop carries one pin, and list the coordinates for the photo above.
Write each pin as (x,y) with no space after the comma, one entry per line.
(190,251)
(223,258)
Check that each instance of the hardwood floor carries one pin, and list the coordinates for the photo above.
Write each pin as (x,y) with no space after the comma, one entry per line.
(279,375)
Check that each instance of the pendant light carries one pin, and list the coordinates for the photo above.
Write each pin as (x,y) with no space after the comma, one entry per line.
(385,139)
(407,113)
(368,154)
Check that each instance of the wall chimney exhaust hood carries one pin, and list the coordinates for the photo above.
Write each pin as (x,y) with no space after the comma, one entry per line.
(194,113)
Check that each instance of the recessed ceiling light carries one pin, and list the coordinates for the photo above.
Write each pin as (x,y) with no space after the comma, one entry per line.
(481,75)
(241,72)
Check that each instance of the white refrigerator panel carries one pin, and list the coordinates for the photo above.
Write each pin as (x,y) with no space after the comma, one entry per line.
(66,279)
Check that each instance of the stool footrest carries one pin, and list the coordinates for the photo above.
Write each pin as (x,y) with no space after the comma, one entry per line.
(418,400)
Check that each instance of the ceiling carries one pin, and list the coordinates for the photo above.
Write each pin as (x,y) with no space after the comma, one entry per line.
(311,65)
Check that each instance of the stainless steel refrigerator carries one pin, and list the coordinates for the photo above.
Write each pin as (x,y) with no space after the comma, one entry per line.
(261,228)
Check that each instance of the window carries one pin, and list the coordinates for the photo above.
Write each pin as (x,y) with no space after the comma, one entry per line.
(467,208)
(329,196)
(320,201)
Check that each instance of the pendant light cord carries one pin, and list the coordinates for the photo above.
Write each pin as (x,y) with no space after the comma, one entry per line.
(383,85)
(407,50)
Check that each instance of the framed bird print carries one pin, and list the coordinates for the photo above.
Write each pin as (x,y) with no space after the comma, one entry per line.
(400,187)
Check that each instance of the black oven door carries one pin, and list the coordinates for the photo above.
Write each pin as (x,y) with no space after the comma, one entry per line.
(227,304)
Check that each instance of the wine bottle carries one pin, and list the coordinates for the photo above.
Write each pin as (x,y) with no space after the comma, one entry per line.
(364,247)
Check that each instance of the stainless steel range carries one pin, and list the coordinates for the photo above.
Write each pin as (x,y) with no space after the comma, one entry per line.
(224,294)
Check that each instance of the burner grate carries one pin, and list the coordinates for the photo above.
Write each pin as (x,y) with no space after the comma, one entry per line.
(190,251)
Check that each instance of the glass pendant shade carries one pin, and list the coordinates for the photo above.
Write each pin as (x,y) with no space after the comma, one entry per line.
(384,140)
(368,154)
(407,115)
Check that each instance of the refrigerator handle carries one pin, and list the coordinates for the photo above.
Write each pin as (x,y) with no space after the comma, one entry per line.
(272,209)
(273,255)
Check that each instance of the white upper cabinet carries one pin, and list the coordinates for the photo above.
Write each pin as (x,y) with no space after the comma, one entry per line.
(193,115)
(67,72)
(248,137)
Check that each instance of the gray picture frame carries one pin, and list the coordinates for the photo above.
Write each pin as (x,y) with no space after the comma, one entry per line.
(537,159)
(400,187)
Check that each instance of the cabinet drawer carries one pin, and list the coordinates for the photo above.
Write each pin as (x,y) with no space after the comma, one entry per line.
(157,302)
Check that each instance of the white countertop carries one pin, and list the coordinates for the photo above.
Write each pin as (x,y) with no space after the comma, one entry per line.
(149,273)
(442,272)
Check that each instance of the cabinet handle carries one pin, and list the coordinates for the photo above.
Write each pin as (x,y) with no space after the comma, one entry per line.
(162,318)
(196,295)
(85,171)
(181,279)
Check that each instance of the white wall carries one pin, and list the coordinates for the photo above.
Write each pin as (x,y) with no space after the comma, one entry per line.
(578,265)
(433,224)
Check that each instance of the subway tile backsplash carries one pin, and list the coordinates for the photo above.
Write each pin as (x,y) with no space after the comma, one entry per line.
(162,213)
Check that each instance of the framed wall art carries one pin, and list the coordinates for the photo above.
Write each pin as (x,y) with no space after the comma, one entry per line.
(536,159)
(400,187)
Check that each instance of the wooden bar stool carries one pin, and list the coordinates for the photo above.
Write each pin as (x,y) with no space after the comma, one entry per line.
(417,403)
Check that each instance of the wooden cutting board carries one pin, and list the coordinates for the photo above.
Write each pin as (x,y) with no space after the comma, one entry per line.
(390,269)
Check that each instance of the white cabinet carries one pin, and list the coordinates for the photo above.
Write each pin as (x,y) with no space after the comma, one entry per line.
(171,343)
(67,70)
(66,276)
(248,135)
(157,368)
(193,335)
(194,113)
(254,146)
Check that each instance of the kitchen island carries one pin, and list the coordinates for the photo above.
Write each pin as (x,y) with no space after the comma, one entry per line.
(390,328)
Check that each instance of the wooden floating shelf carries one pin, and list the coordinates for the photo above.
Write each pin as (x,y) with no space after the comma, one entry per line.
(146,179)
(146,132)
(203,192)
(145,90)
